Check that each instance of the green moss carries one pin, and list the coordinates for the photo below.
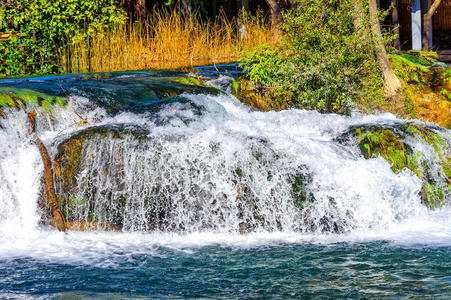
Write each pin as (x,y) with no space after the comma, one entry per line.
(68,163)
(437,142)
(434,195)
(22,98)
(265,99)
(189,81)
(235,87)
(421,57)
(300,192)
(408,68)
(383,142)
(389,143)
(239,172)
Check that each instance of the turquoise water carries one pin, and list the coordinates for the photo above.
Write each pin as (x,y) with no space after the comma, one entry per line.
(221,233)
(340,270)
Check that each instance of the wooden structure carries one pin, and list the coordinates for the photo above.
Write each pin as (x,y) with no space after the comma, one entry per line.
(441,22)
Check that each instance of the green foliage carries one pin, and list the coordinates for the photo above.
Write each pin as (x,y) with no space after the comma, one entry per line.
(323,61)
(22,98)
(434,195)
(390,144)
(383,142)
(39,30)
(446,94)
(409,68)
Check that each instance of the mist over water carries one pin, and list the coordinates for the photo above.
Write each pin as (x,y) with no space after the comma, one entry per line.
(215,179)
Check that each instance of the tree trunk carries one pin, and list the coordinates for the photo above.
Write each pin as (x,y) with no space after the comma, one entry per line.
(395,21)
(276,7)
(427,23)
(187,7)
(276,14)
(58,217)
(392,85)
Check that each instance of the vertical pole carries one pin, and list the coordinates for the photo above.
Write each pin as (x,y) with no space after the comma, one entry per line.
(430,27)
(416,25)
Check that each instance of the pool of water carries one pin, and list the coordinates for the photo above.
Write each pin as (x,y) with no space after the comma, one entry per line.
(227,267)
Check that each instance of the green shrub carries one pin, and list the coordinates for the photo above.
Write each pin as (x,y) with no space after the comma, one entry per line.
(323,60)
(39,30)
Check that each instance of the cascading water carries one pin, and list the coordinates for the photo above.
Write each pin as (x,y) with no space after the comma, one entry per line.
(200,168)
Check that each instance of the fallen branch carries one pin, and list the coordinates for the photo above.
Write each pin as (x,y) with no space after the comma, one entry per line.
(58,217)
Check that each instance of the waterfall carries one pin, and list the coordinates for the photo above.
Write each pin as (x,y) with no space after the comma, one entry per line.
(205,163)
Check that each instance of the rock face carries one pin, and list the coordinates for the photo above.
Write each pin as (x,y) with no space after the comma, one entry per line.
(402,147)
(68,165)
(118,177)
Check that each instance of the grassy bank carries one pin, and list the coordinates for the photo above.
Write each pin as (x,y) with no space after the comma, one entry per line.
(167,39)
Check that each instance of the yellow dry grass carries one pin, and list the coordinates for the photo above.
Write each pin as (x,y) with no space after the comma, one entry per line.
(166,40)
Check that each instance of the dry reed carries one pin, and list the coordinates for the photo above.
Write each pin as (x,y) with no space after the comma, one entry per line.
(167,40)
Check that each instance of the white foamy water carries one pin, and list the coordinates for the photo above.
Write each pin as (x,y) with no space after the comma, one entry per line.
(208,175)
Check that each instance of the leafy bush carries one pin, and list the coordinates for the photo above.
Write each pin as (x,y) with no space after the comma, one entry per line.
(322,60)
(39,30)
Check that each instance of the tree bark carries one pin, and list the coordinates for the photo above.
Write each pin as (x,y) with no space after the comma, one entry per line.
(276,7)
(427,23)
(58,217)
(392,85)
(276,14)
(395,21)
(187,7)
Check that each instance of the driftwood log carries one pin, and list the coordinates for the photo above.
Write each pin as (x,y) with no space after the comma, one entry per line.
(58,217)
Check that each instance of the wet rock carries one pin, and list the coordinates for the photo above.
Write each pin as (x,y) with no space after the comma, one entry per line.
(68,165)
(398,145)
(17,99)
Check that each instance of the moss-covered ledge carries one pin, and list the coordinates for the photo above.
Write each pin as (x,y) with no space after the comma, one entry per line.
(21,99)
(264,99)
(396,144)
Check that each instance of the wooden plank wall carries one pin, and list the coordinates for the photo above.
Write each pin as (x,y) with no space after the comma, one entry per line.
(405,17)
(442,17)
(440,21)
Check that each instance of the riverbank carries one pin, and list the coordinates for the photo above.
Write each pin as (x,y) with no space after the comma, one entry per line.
(426,92)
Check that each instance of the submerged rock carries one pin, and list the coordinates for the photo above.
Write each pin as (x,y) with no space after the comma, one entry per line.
(118,177)
(69,163)
(419,148)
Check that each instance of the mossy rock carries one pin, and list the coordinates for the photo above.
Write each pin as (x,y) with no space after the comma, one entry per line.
(426,87)
(261,98)
(69,158)
(390,142)
(190,81)
(300,188)
(21,99)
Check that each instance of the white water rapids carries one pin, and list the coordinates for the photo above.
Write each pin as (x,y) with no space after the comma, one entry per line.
(189,160)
